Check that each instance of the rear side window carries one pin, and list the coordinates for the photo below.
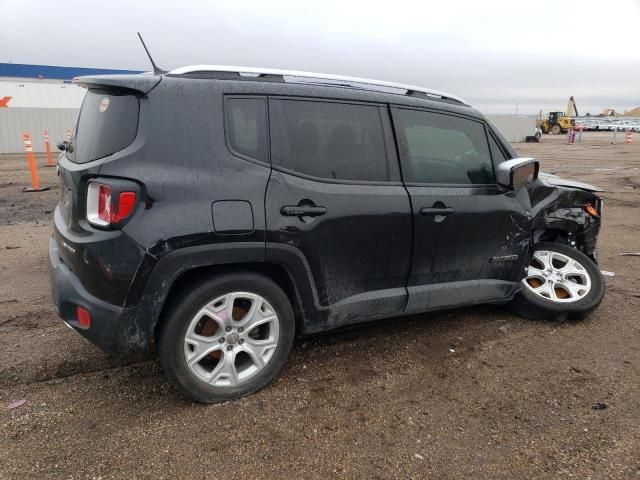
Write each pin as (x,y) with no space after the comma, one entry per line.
(107,123)
(246,127)
(336,141)
(440,148)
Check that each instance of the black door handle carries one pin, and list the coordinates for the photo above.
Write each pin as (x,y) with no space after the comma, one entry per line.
(302,211)
(433,211)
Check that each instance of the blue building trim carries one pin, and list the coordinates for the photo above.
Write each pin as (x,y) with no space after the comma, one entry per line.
(53,72)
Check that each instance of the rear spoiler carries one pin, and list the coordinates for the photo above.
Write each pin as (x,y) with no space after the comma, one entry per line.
(142,83)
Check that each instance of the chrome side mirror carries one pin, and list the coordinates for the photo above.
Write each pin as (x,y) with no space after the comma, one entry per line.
(517,172)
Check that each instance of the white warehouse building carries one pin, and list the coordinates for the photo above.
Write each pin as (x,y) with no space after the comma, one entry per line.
(35,98)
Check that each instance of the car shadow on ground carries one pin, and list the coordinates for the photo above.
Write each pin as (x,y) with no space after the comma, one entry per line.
(434,336)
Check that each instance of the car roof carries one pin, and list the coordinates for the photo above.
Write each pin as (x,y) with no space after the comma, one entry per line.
(231,82)
(267,84)
(294,76)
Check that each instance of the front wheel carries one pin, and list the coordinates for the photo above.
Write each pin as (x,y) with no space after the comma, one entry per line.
(560,282)
(556,130)
(227,337)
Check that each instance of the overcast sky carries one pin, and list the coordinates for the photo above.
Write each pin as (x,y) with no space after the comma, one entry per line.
(495,54)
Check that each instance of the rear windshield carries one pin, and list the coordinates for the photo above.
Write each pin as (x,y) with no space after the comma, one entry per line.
(108,122)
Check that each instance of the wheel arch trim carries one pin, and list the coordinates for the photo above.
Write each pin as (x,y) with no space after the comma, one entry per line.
(171,267)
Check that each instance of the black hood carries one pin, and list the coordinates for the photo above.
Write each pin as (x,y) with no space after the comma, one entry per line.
(562,182)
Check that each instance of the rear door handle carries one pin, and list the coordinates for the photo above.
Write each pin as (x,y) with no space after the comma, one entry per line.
(433,211)
(302,211)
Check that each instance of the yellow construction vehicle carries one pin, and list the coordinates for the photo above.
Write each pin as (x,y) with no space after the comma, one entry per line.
(558,122)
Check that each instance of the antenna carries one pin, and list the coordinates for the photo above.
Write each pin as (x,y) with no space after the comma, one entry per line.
(156,70)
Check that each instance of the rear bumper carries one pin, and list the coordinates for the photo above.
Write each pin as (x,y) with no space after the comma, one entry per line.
(108,328)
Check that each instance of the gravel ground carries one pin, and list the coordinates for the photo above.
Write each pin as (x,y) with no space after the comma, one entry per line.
(471,393)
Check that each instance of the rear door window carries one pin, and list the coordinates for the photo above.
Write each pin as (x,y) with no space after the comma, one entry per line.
(443,149)
(329,140)
(107,123)
(246,127)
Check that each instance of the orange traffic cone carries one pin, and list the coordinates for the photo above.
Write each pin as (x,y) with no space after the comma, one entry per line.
(35,181)
(48,149)
(628,138)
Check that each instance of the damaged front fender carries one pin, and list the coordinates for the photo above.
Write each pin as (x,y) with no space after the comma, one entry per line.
(566,211)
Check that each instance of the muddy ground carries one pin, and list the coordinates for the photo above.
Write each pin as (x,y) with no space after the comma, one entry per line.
(472,393)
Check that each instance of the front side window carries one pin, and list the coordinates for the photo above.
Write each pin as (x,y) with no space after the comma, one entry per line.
(335,141)
(246,127)
(496,151)
(440,148)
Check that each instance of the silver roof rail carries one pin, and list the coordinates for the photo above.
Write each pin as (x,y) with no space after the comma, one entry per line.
(319,79)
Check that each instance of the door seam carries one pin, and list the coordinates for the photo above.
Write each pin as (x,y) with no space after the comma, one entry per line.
(412,214)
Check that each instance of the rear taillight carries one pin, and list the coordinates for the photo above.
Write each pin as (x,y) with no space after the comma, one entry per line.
(104,204)
(126,202)
(106,207)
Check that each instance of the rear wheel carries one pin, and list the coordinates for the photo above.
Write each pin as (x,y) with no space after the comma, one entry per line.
(227,337)
(556,129)
(561,281)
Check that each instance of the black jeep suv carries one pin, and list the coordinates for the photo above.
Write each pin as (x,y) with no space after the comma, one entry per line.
(216,213)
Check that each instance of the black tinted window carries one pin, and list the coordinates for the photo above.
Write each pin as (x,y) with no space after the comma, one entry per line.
(247,127)
(107,123)
(496,151)
(328,140)
(442,148)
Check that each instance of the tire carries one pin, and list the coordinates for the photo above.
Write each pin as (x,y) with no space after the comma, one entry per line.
(556,130)
(568,295)
(233,362)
